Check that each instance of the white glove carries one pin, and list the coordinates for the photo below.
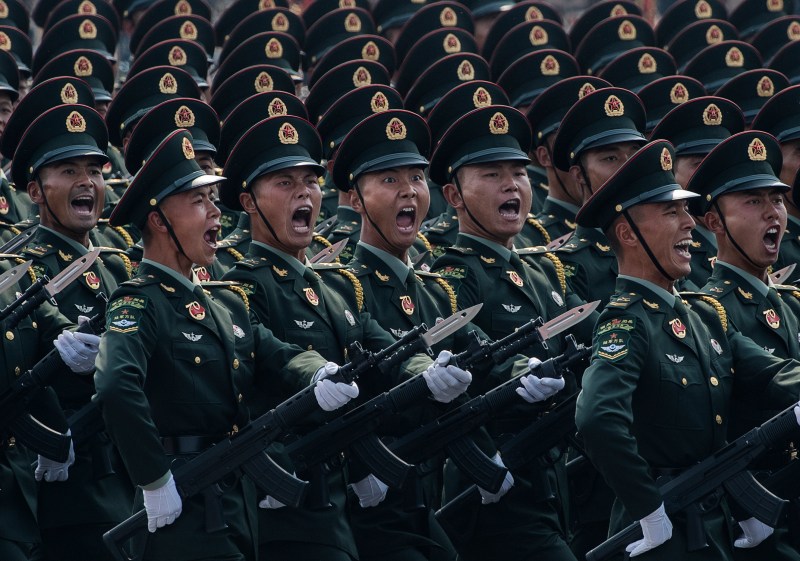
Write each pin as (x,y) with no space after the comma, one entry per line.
(656,527)
(370,491)
(446,382)
(332,395)
(508,483)
(270,502)
(163,505)
(52,470)
(755,532)
(326,371)
(78,350)
(797,413)
(538,389)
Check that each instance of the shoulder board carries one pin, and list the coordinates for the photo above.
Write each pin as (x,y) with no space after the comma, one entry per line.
(140,281)
(346,228)
(230,241)
(716,290)
(574,245)
(533,250)
(440,226)
(623,301)
(320,267)
(711,301)
(358,269)
(253,262)
(427,274)
(461,250)
(39,250)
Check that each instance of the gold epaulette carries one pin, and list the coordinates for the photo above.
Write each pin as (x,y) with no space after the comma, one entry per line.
(242,294)
(236,254)
(14,230)
(359,290)
(322,239)
(538,225)
(562,278)
(714,303)
(125,235)
(128,265)
(425,241)
(450,293)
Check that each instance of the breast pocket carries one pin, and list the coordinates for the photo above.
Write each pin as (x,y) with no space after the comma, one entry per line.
(310,338)
(681,397)
(199,373)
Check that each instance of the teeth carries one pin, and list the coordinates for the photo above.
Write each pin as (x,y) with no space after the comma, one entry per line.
(772,230)
(683,243)
(407,209)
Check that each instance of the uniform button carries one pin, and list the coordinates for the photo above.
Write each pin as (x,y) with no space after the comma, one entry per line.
(310,347)
(252,355)
(235,363)
(718,419)
(197,360)
(34,325)
(240,398)
(731,370)
(714,381)
(684,381)
(12,441)
(17,370)
(9,335)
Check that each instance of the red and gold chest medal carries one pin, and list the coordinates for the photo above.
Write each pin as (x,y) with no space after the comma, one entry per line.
(514,277)
(678,328)
(407,305)
(197,311)
(311,296)
(4,206)
(202,274)
(772,318)
(92,280)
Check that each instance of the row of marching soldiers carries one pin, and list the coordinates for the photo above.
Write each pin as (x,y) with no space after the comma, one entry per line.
(466,154)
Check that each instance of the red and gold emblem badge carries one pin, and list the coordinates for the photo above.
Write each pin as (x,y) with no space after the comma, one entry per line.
(188,31)
(287,134)
(407,305)
(83,67)
(626,31)
(167,84)
(481,97)
(534,14)
(734,58)
(538,36)
(451,44)
(712,115)
(793,31)
(379,102)
(266,5)
(183,8)
(273,48)
(647,64)
(197,311)
(666,159)
(498,124)
(618,10)
(87,7)
(87,30)
(184,117)
(3,10)
(280,23)
(76,122)
(370,51)
(775,5)
(361,77)
(678,94)
(4,206)
(92,280)
(772,318)
(187,148)
(177,56)
(263,82)
(714,35)
(396,129)
(448,17)
(311,296)
(466,71)
(202,274)
(549,66)
(5,41)
(277,107)
(514,277)
(678,328)
(352,23)
(614,106)
(69,94)
(756,150)
(765,87)
(585,90)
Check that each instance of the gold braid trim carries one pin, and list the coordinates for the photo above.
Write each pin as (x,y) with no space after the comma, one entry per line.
(425,242)
(796,294)
(14,230)
(321,239)
(562,278)
(723,315)
(236,254)
(450,293)
(125,235)
(538,226)
(359,290)
(128,265)
(240,291)
(31,274)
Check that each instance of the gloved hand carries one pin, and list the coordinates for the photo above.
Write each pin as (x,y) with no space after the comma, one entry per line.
(332,395)
(52,470)
(326,371)
(78,350)
(370,491)
(508,483)
(656,527)
(538,389)
(446,382)
(270,502)
(163,505)
(755,532)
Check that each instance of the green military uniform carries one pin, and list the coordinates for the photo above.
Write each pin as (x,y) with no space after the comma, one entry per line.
(704,255)
(215,354)
(533,233)
(589,264)
(557,217)
(790,244)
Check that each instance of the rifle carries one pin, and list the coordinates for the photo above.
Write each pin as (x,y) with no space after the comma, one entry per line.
(244,453)
(14,415)
(725,470)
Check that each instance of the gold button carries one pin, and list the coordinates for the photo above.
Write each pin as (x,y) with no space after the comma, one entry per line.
(726,282)
(252,355)
(17,370)
(197,360)
(731,370)
(684,381)
(235,363)
(714,381)
(9,335)
(718,419)
(234,430)
(240,398)
(34,324)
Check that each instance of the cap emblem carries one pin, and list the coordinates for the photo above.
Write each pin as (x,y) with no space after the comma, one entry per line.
(379,103)
(87,7)
(466,71)
(277,107)
(734,58)
(534,14)
(188,31)
(678,94)
(702,10)
(263,82)
(352,23)
(177,57)
(76,122)
(396,129)
(614,107)
(83,67)
(666,159)
(87,30)
(287,134)
(618,10)
(538,36)
(498,124)
(167,84)
(186,147)
(765,87)
(775,5)
(647,64)
(69,94)
(756,150)
(273,48)
(183,8)
(184,117)
(585,90)
(266,4)
(280,23)
(451,44)
(371,51)
(793,31)
(714,35)
(5,41)
(481,97)
(447,17)
(626,31)
(712,115)
(361,77)
(549,66)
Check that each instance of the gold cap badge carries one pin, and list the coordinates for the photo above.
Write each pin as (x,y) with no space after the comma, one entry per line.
(647,64)
(498,124)
(361,77)
(273,48)
(352,23)
(287,134)
(76,122)
(379,102)
(549,66)
(734,58)
(167,84)
(5,41)
(188,31)
(481,97)
(277,107)
(666,159)
(775,5)
(451,44)
(177,56)
(183,8)
(712,115)
(678,94)
(69,94)
(83,67)
(756,150)
(87,30)
(184,117)
(538,36)
(263,82)
(714,35)
(280,23)
(702,10)
(447,17)
(347,3)
(186,147)
(370,51)
(614,106)
(765,87)
(87,7)
(266,4)
(534,14)
(585,90)
(466,71)
(618,10)
(3,9)
(626,31)
(396,129)
(793,31)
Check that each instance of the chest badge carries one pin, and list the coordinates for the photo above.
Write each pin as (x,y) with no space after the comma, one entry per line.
(348,315)
(4,206)
(311,296)
(557,298)
(197,311)
(772,318)
(193,337)
(92,280)
(675,358)
(716,346)
(202,274)
(678,328)
(514,277)
(303,324)
(512,308)
(238,331)
(407,305)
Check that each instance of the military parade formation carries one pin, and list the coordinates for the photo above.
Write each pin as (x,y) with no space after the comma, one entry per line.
(399,280)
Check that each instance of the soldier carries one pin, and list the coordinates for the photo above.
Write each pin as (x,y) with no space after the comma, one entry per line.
(481,161)
(164,317)
(276,184)
(656,397)
(742,204)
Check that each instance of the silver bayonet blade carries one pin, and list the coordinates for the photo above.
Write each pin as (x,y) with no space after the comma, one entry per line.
(450,325)
(70,273)
(19,241)
(782,275)
(12,276)
(329,254)
(566,320)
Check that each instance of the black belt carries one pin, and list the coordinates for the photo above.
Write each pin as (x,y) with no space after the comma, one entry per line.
(181,445)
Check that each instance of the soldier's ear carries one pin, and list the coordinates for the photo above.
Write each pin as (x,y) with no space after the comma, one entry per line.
(246,200)
(625,234)
(713,223)
(155,222)
(452,195)
(35,191)
(543,157)
(355,200)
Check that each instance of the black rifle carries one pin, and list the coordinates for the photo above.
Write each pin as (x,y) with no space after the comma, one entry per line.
(244,453)
(14,403)
(724,471)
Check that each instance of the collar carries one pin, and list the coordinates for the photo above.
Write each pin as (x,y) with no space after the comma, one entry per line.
(290,260)
(666,296)
(572,209)
(401,270)
(78,248)
(501,250)
(706,234)
(753,282)
(186,283)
